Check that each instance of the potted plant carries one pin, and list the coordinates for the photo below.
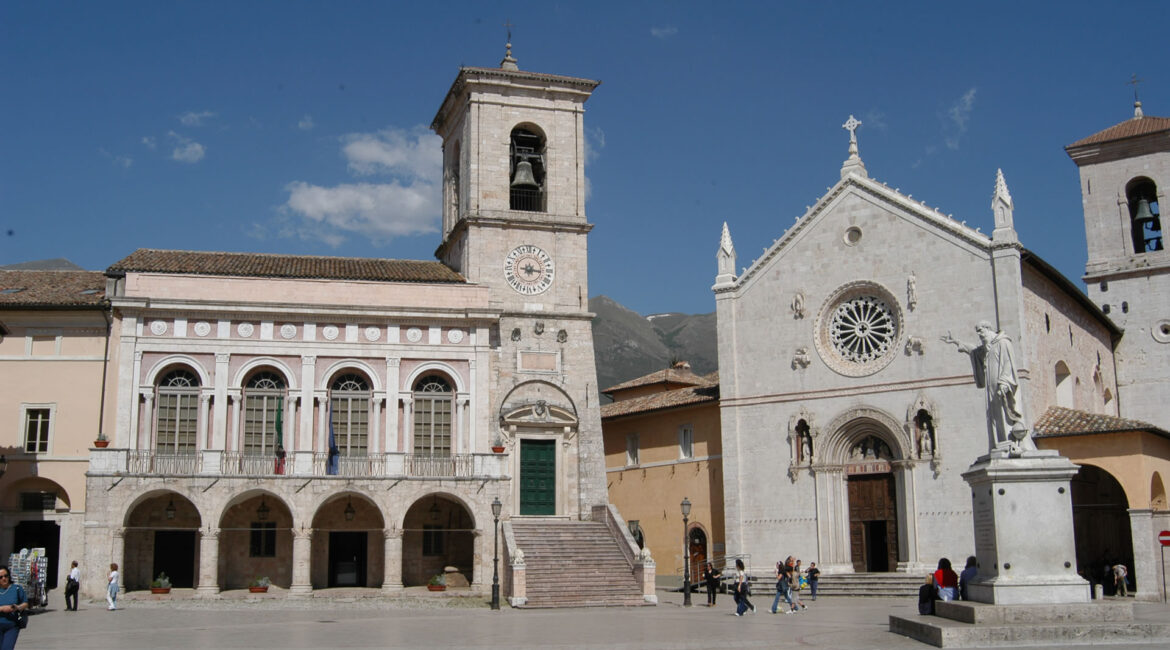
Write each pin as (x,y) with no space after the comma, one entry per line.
(259,585)
(161,584)
(102,442)
(498,445)
(438,582)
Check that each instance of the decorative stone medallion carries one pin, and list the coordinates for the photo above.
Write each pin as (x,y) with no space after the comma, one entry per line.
(202,328)
(158,328)
(1161,331)
(245,329)
(330,332)
(288,330)
(373,333)
(414,335)
(455,336)
(858,330)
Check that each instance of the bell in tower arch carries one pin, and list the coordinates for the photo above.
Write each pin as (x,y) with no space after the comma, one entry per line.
(524,178)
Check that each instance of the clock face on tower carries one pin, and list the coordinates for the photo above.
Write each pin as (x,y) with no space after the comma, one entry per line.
(528,269)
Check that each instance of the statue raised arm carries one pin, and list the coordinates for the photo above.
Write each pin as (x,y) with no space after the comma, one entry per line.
(994,367)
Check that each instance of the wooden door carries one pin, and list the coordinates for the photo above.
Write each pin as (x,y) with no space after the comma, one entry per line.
(538,484)
(873,522)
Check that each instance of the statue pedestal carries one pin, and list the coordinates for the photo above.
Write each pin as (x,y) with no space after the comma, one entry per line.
(1024,530)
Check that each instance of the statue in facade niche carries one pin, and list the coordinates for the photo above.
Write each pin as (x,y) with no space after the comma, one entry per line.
(911,292)
(798,305)
(994,366)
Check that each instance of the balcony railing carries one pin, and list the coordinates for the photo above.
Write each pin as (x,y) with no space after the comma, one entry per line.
(238,463)
(350,465)
(427,466)
(151,462)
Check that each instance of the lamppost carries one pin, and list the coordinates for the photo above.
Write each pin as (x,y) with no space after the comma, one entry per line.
(686,512)
(496,508)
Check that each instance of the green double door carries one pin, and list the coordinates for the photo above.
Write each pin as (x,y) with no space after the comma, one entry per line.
(538,472)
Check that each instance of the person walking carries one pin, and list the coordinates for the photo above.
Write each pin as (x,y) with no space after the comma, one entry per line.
(112,587)
(711,577)
(1120,573)
(72,585)
(12,600)
(742,590)
(814,577)
(783,582)
(794,585)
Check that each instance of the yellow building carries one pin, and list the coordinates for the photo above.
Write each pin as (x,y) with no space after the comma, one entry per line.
(661,446)
(53,342)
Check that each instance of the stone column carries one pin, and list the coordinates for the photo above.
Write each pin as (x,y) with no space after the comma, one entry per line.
(392,566)
(208,563)
(234,430)
(302,584)
(147,429)
(304,440)
(832,502)
(1146,555)
(219,418)
(117,551)
(907,516)
(391,412)
(204,416)
(481,573)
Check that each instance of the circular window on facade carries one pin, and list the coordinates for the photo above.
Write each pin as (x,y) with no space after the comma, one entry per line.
(1161,331)
(858,329)
(852,236)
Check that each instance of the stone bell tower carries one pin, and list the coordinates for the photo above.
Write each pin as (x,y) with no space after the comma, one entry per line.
(1125,172)
(514,221)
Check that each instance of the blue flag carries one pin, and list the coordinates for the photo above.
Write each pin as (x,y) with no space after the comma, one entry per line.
(331,464)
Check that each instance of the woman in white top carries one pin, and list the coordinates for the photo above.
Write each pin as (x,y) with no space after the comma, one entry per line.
(112,590)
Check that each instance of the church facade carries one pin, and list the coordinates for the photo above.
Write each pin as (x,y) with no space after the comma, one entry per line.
(847,421)
(339,422)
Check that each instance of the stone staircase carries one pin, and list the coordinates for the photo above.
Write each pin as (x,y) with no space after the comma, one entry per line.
(894,585)
(574,564)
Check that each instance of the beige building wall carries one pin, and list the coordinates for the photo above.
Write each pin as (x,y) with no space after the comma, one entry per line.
(651,491)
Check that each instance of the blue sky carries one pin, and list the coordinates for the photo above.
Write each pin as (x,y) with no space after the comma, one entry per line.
(300,127)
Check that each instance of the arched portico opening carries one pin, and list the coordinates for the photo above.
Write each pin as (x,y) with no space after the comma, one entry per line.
(161,537)
(438,532)
(348,542)
(255,541)
(35,508)
(1101,526)
(697,550)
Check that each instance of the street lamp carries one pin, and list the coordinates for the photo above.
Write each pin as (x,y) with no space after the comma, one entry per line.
(686,512)
(496,508)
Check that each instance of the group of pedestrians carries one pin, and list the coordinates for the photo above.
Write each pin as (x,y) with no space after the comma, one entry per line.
(790,579)
(945,584)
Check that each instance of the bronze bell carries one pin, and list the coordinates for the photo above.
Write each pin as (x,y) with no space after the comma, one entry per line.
(524,178)
(1145,217)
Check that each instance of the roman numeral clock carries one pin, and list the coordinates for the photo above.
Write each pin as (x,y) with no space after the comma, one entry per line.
(528,269)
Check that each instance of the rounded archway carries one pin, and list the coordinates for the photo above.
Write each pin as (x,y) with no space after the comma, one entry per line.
(1100,525)
(348,542)
(255,540)
(161,536)
(697,551)
(36,507)
(438,532)
(1157,492)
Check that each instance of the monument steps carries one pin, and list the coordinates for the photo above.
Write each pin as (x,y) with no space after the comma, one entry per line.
(882,585)
(574,564)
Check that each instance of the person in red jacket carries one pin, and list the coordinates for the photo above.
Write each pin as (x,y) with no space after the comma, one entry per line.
(946,580)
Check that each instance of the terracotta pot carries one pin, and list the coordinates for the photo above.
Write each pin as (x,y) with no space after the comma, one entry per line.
(436,587)
(101,444)
(160,590)
(258,590)
(498,450)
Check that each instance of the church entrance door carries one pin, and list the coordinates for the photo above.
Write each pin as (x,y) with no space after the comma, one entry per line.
(538,471)
(873,522)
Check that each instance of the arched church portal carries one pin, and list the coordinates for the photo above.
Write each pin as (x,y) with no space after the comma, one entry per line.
(1101,525)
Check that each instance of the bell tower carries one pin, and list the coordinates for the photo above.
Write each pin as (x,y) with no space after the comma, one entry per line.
(514,221)
(1125,172)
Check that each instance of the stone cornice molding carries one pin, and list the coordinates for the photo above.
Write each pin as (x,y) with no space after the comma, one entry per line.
(851,391)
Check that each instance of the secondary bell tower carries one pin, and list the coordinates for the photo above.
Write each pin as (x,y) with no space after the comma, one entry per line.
(514,221)
(1125,172)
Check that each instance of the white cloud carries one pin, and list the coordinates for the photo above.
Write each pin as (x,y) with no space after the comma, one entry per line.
(306,123)
(958,115)
(594,143)
(191,118)
(186,150)
(149,142)
(414,154)
(876,120)
(124,162)
(380,211)
(663,31)
(406,203)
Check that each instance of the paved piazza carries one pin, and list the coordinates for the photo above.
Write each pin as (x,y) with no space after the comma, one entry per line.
(843,623)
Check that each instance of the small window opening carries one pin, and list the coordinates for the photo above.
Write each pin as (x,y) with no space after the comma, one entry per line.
(1145,215)
(263,539)
(1064,386)
(1047,324)
(38,501)
(526,180)
(1105,308)
(1124,307)
(1104,286)
(1070,338)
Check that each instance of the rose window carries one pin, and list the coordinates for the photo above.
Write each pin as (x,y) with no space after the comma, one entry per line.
(862,329)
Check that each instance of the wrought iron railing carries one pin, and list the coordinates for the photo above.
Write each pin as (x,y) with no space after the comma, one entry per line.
(144,461)
(427,466)
(242,464)
(350,465)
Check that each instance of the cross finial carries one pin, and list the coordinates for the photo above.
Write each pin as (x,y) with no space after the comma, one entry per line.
(851,125)
(853,165)
(1137,104)
(509,63)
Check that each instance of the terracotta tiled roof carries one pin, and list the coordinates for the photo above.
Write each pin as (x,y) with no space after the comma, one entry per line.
(1060,421)
(668,376)
(664,400)
(26,289)
(1130,128)
(146,260)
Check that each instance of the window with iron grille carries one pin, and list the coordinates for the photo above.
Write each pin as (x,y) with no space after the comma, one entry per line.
(263,543)
(178,412)
(36,430)
(350,405)
(38,501)
(433,404)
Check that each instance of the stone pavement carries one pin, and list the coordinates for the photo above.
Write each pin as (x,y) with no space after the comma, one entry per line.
(832,622)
